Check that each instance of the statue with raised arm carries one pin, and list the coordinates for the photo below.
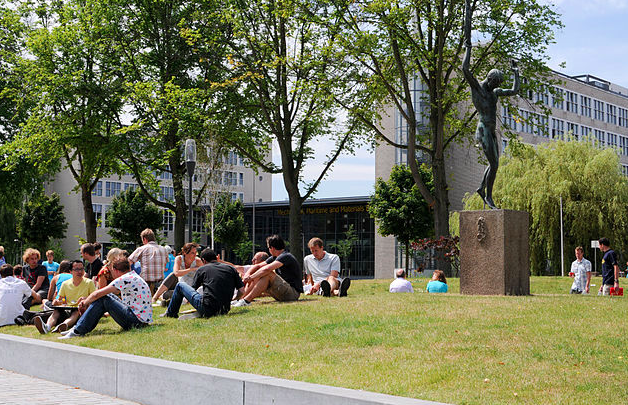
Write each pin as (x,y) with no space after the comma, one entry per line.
(484,96)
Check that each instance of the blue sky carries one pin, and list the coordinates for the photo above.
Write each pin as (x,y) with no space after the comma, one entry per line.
(594,41)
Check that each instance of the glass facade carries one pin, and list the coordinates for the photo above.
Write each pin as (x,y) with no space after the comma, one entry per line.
(327,219)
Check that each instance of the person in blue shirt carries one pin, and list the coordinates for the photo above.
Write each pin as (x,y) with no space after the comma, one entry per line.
(50,264)
(170,264)
(438,283)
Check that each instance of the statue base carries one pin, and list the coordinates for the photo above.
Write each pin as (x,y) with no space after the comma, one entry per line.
(494,252)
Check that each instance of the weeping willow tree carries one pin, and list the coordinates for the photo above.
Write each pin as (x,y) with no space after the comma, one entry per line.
(593,190)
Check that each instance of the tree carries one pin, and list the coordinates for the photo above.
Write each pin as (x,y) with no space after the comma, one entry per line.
(344,247)
(41,221)
(593,190)
(73,97)
(283,70)
(408,53)
(230,226)
(171,52)
(399,208)
(129,214)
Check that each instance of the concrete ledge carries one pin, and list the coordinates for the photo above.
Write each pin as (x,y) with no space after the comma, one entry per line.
(154,381)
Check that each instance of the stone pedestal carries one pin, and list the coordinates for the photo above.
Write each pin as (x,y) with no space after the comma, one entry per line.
(494,252)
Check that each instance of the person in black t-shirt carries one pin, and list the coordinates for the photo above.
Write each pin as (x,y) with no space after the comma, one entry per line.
(37,278)
(279,276)
(218,281)
(610,267)
(93,264)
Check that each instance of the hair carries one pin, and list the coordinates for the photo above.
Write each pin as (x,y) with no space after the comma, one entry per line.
(114,254)
(17,270)
(148,234)
(6,270)
(187,248)
(65,266)
(315,242)
(604,241)
(208,255)
(440,276)
(50,252)
(97,246)
(122,265)
(400,273)
(168,249)
(89,249)
(29,252)
(263,256)
(75,262)
(580,249)
(275,241)
(495,74)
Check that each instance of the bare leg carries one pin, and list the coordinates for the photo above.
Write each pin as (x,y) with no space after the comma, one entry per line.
(52,320)
(72,319)
(260,286)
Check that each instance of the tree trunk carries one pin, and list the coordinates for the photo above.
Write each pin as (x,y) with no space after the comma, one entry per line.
(296,229)
(441,209)
(88,212)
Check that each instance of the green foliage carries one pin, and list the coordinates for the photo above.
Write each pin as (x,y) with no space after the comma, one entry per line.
(344,247)
(244,251)
(129,214)
(230,228)
(42,220)
(593,190)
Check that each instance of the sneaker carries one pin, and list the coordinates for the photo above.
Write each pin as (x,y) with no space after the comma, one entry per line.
(42,327)
(62,327)
(192,315)
(241,303)
(167,315)
(326,288)
(344,286)
(69,334)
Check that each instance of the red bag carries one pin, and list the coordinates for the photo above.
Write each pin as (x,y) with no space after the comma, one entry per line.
(620,291)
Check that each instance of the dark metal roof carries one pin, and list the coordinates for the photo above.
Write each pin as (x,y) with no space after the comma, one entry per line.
(314,201)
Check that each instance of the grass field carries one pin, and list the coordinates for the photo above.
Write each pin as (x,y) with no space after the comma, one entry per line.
(547,348)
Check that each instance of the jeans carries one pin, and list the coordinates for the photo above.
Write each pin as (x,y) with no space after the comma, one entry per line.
(193,297)
(121,313)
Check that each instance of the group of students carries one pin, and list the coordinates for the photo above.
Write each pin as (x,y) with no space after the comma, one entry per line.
(80,292)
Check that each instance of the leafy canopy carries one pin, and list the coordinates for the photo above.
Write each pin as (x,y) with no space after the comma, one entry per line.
(129,214)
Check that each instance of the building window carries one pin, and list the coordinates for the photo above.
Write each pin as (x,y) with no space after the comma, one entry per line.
(611,114)
(599,136)
(241,178)
(112,188)
(573,128)
(542,96)
(557,98)
(508,120)
(98,213)
(623,145)
(624,170)
(166,174)
(623,117)
(585,106)
(598,110)
(586,131)
(105,220)
(197,221)
(168,221)
(98,189)
(241,197)
(166,193)
(572,102)
(541,125)
(131,186)
(558,128)
(611,139)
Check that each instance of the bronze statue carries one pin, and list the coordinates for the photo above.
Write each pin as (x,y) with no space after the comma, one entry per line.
(484,96)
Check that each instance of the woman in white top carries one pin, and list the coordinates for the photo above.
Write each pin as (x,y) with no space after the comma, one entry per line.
(185,266)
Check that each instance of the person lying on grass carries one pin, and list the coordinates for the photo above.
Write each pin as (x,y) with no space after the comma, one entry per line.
(218,281)
(71,291)
(133,310)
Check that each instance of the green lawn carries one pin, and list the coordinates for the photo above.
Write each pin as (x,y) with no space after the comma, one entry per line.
(548,348)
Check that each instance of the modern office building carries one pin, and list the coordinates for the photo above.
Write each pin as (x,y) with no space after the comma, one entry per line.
(234,178)
(589,107)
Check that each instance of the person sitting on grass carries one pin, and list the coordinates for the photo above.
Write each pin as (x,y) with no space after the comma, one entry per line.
(105,275)
(63,275)
(438,284)
(37,278)
(400,284)
(71,291)
(218,281)
(323,270)
(50,264)
(17,272)
(184,270)
(12,294)
(133,310)
(279,276)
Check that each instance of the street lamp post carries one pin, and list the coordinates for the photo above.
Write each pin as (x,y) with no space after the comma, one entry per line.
(190,162)
(254,181)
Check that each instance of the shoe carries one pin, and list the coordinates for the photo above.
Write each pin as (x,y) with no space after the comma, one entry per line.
(326,288)
(192,315)
(241,303)
(42,327)
(234,302)
(167,315)
(66,332)
(344,286)
(69,334)
(62,327)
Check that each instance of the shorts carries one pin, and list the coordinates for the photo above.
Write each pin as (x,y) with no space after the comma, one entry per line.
(280,290)
(171,281)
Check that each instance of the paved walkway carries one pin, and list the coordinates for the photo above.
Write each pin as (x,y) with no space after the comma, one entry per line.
(19,389)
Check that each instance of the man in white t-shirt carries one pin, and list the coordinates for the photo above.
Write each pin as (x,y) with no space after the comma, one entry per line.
(12,292)
(134,310)
(322,270)
(400,284)
(581,273)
